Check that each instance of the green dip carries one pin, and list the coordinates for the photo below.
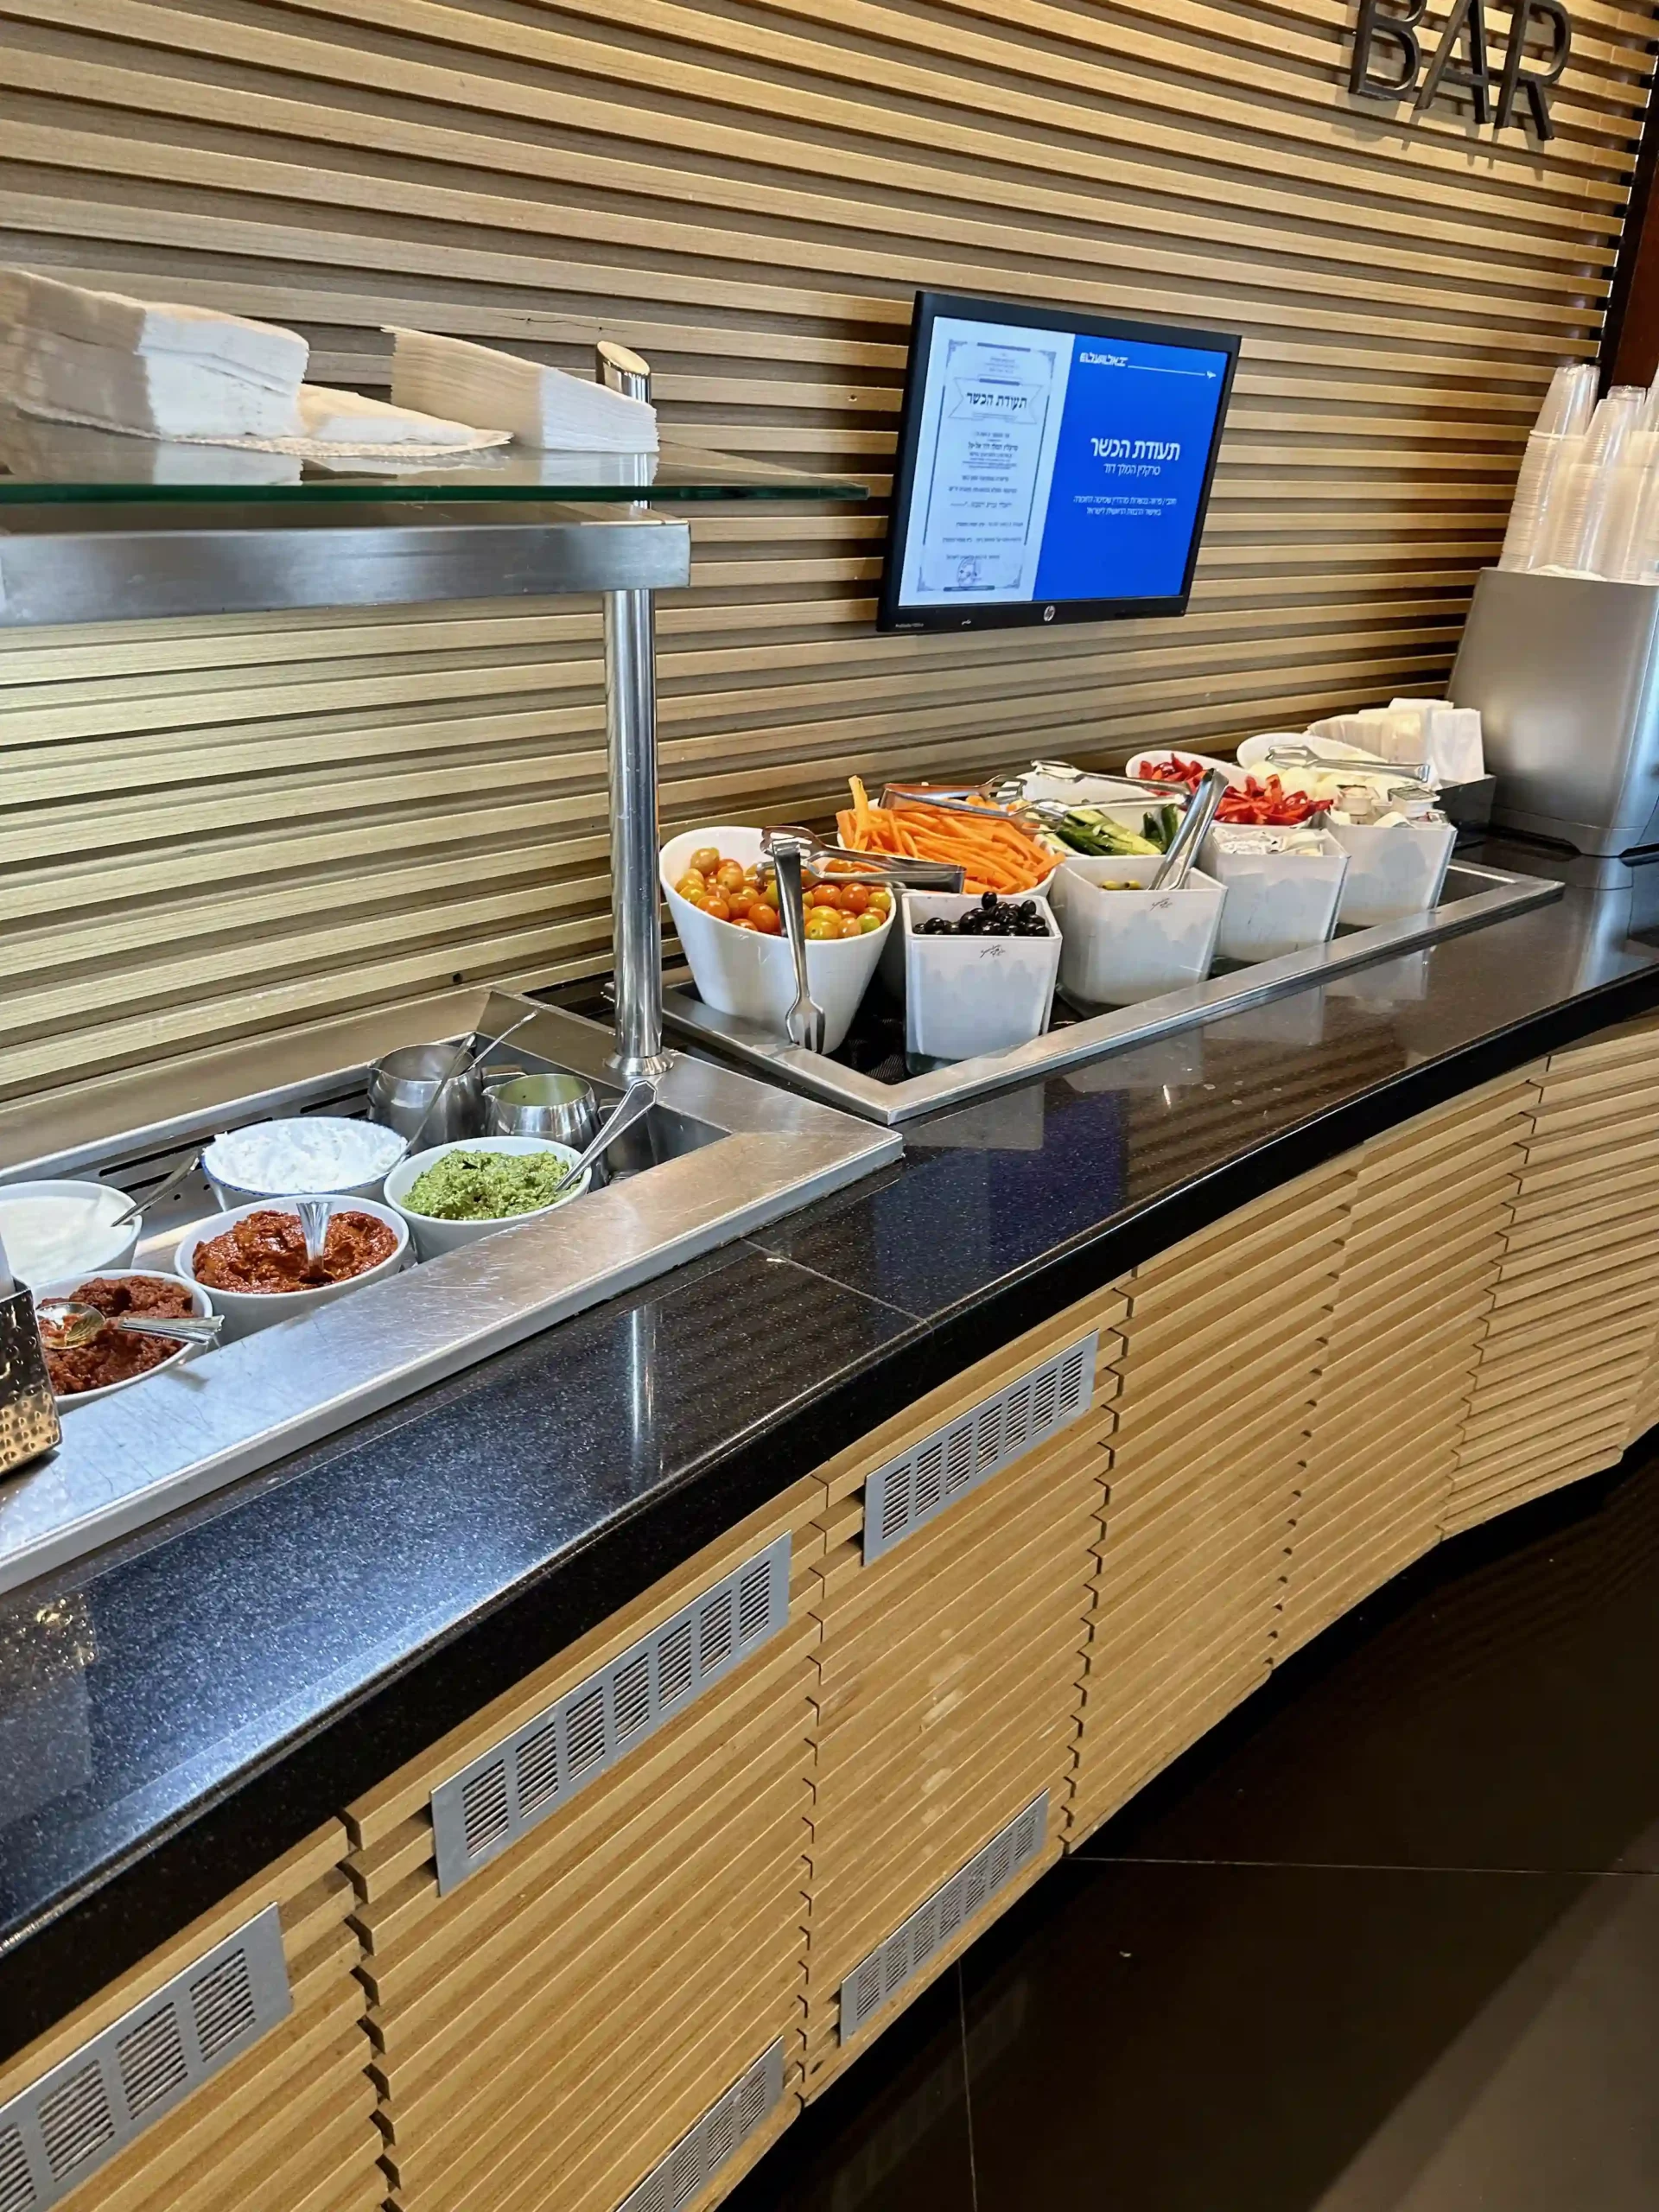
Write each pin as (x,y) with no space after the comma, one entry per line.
(485,1186)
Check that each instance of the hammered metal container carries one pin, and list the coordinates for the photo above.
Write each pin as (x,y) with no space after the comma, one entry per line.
(28,1414)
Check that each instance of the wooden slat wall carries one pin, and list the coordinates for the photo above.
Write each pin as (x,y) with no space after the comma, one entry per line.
(213,827)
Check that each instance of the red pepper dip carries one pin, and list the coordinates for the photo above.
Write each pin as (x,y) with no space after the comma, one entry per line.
(265,1251)
(112,1357)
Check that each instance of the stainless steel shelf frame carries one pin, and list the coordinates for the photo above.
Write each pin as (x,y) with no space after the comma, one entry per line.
(112,550)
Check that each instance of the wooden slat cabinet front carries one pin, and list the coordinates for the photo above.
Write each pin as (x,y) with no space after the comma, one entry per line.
(1285,1409)
(289,2125)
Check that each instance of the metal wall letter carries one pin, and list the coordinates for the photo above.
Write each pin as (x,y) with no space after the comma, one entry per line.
(1398,31)
(1529,13)
(1473,76)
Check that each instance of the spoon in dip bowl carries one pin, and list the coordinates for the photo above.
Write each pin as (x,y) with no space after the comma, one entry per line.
(66,1324)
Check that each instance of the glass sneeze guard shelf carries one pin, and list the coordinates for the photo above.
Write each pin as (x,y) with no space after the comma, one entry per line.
(98,527)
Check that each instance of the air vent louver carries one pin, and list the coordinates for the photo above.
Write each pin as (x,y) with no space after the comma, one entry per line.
(874,1980)
(718,2136)
(906,1495)
(507,1789)
(96,2101)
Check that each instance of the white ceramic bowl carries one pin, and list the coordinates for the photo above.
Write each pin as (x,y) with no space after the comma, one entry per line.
(964,996)
(740,972)
(1121,946)
(245,1310)
(1276,902)
(68,1285)
(1393,872)
(31,1206)
(232,1193)
(1142,763)
(432,1236)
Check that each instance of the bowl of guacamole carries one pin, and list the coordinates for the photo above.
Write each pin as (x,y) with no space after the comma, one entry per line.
(452,1194)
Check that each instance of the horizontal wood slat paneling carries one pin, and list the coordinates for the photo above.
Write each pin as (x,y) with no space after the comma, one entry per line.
(213,827)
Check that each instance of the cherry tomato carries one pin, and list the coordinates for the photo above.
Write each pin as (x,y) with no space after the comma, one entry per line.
(856,898)
(691,882)
(826,895)
(706,858)
(716,909)
(869,922)
(729,875)
(822,923)
(740,902)
(852,925)
(742,921)
(764,918)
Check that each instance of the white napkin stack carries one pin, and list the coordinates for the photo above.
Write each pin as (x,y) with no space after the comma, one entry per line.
(538,405)
(159,370)
(355,422)
(1411,731)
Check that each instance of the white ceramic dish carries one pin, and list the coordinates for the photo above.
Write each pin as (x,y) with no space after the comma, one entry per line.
(245,1310)
(1276,902)
(964,996)
(68,1285)
(740,972)
(230,1192)
(433,1237)
(34,1220)
(1393,872)
(1142,763)
(1122,946)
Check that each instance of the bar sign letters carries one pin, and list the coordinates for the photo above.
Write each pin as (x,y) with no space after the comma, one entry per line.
(1388,59)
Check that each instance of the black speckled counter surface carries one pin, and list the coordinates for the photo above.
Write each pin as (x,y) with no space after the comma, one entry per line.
(176,1710)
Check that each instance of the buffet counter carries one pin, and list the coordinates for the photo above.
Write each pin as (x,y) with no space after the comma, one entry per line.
(663,1703)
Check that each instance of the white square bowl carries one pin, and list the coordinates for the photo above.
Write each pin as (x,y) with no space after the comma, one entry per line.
(964,996)
(1276,902)
(1392,872)
(1122,946)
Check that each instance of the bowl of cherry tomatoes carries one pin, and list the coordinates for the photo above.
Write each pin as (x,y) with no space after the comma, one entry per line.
(722,899)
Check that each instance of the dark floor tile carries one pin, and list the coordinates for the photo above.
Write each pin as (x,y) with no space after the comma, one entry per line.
(1497,1707)
(1191,2038)
(891,2136)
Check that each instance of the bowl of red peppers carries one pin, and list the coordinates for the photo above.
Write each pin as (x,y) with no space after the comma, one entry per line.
(1261,800)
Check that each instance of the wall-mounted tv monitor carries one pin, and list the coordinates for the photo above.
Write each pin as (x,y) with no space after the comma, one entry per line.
(1051,468)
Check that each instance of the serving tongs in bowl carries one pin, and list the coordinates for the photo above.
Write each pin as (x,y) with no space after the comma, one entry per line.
(849,866)
(1006,792)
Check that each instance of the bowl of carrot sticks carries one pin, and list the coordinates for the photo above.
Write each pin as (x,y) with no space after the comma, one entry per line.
(997,851)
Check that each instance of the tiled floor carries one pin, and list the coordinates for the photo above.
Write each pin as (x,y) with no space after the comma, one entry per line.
(1387,1942)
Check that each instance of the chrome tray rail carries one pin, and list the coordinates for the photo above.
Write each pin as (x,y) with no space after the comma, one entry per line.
(720,1156)
(1474,898)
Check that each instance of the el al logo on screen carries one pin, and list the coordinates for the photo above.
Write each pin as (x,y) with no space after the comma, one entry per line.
(1502,86)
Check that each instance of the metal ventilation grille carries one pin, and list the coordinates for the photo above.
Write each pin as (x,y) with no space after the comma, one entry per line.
(97,2101)
(697,2158)
(910,1490)
(901,1958)
(508,1789)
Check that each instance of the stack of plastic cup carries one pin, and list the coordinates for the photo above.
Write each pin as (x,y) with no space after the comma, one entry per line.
(1571,520)
(1562,421)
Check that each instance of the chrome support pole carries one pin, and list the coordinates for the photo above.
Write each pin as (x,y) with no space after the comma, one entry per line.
(630,737)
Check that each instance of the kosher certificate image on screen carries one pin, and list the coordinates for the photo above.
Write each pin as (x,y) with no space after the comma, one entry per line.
(991,417)
(1057,466)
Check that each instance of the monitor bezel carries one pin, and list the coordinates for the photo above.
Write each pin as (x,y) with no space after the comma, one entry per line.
(891,614)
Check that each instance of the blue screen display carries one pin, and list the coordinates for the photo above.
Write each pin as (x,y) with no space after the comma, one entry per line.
(1054,465)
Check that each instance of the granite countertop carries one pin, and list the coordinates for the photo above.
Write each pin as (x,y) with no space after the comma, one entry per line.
(177,1710)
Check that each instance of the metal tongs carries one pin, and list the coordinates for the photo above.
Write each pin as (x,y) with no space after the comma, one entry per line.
(791,850)
(1180,861)
(862,868)
(1366,764)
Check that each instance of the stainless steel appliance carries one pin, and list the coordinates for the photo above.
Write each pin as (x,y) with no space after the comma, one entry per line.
(1565,671)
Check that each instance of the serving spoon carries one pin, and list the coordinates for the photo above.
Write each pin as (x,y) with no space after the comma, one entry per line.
(66,1324)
